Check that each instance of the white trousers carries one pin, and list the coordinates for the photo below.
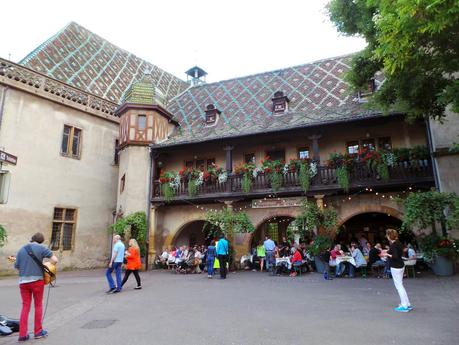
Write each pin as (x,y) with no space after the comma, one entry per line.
(397,277)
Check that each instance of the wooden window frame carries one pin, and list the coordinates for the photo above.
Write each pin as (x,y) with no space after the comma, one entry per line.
(61,222)
(279,149)
(380,139)
(69,152)
(194,163)
(247,154)
(144,116)
(298,149)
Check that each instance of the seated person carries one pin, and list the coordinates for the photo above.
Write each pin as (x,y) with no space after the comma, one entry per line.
(164,256)
(333,255)
(296,261)
(284,248)
(374,257)
(411,252)
(366,249)
(358,257)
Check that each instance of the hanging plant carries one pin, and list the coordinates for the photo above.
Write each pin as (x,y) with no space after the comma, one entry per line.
(305,176)
(342,164)
(170,182)
(138,223)
(342,175)
(276,180)
(246,182)
(192,187)
(3,235)
(228,222)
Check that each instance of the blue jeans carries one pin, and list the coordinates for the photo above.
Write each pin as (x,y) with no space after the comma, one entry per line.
(269,259)
(117,267)
(339,269)
(210,266)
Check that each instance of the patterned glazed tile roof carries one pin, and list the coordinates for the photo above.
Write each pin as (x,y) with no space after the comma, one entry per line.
(78,57)
(317,92)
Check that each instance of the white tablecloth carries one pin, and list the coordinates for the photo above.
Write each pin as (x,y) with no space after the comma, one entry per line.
(340,259)
(287,260)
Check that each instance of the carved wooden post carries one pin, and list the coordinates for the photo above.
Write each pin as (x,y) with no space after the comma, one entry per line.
(229,158)
(315,147)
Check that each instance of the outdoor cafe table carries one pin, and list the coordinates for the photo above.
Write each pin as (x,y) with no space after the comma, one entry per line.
(284,259)
(350,259)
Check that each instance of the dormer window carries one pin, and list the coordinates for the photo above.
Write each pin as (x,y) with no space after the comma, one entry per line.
(280,103)
(372,87)
(212,114)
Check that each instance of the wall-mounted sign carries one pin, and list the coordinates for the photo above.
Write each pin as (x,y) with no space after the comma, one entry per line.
(276,202)
(8,158)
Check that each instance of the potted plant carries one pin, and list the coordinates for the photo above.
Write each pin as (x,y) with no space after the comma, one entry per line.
(343,164)
(440,253)
(274,170)
(170,182)
(319,245)
(249,172)
(427,209)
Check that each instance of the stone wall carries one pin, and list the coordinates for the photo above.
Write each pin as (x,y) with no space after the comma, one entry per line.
(32,129)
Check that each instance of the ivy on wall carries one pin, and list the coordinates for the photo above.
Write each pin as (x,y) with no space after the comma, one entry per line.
(3,235)
(137,222)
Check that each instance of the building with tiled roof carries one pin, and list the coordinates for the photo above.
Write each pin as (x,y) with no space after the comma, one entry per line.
(78,57)
(316,91)
(100,133)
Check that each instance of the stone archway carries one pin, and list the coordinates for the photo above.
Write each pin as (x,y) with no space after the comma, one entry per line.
(347,214)
(188,233)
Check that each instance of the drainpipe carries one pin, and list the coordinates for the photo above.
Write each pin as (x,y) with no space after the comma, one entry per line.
(431,153)
(150,186)
(2,105)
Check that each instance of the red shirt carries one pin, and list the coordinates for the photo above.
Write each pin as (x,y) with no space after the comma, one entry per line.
(334,253)
(296,257)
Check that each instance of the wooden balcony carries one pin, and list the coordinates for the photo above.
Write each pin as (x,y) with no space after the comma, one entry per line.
(402,174)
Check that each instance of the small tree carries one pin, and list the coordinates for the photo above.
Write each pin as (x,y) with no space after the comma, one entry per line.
(312,217)
(424,209)
(228,222)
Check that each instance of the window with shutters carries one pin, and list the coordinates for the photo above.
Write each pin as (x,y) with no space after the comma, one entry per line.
(71,142)
(63,230)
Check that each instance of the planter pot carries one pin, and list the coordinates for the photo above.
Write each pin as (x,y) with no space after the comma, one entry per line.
(320,267)
(442,266)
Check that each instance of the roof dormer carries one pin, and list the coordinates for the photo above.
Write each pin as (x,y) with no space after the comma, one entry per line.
(280,103)
(212,115)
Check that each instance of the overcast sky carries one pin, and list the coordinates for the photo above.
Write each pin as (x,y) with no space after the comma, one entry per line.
(226,38)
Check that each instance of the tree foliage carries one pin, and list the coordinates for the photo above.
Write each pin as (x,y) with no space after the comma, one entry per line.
(424,209)
(312,217)
(228,222)
(415,43)
(3,235)
(138,223)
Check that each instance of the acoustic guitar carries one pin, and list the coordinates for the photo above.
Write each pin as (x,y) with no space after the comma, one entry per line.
(49,270)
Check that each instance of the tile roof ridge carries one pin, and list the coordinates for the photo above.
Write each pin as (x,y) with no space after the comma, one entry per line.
(273,71)
(42,46)
(45,44)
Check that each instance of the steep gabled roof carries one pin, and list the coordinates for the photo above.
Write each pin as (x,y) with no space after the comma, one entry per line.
(78,57)
(317,92)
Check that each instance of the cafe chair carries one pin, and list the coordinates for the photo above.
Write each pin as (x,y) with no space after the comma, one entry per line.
(410,268)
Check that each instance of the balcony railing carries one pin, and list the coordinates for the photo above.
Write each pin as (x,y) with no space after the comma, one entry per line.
(402,173)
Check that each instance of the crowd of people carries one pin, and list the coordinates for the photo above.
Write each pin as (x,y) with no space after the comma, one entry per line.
(267,255)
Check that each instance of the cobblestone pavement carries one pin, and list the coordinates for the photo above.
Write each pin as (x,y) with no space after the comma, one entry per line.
(247,308)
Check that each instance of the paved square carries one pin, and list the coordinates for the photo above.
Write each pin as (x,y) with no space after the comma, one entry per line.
(249,308)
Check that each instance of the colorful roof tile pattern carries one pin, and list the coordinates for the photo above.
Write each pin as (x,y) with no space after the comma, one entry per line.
(78,57)
(317,92)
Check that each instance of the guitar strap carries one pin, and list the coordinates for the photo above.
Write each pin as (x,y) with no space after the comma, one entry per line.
(38,262)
